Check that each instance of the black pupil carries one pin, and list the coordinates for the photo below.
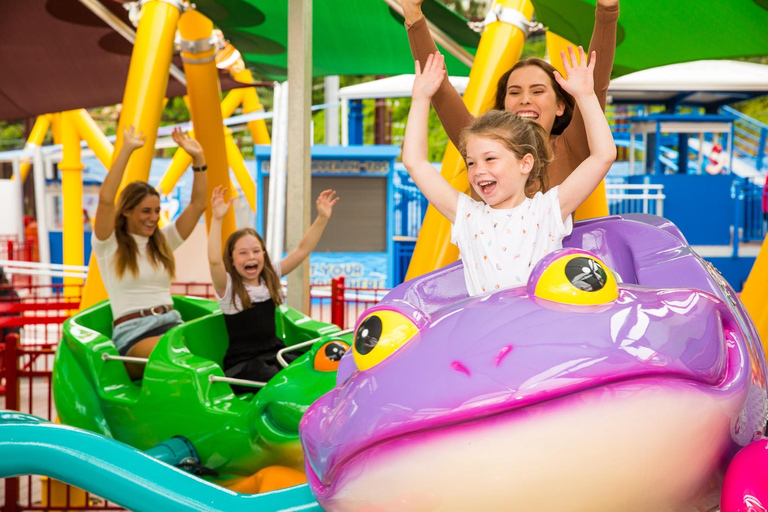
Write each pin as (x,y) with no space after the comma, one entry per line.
(585,274)
(334,351)
(367,335)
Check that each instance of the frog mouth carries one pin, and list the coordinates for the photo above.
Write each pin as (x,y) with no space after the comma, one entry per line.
(281,419)
(661,417)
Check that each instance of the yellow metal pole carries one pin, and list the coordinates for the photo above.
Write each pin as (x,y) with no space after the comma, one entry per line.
(90,132)
(71,167)
(500,47)
(147,82)
(235,159)
(36,137)
(754,295)
(179,163)
(181,160)
(251,103)
(204,95)
(231,101)
(143,102)
(55,127)
(596,204)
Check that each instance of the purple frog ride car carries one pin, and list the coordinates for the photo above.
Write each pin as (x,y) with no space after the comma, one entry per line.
(624,376)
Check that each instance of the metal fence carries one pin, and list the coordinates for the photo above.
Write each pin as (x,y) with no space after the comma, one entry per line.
(749,217)
(640,198)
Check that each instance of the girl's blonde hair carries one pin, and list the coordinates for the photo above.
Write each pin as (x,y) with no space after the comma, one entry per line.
(518,135)
(158,250)
(268,274)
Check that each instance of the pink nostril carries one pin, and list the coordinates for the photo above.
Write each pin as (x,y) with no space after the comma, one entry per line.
(460,368)
(502,354)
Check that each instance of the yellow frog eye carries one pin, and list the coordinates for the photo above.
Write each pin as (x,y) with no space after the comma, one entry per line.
(328,356)
(379,335)
(579,279)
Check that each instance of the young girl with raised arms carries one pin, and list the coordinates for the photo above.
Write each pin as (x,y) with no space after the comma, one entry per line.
(517,224)
(247,285)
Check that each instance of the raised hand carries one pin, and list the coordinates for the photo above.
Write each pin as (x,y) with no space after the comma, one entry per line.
(580,80)
(325,202)
(187,143)
(132,139)
(220,207)
(428,81)
(411,10)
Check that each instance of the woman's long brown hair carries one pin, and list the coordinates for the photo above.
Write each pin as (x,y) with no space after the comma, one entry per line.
(158,250)
(268,274)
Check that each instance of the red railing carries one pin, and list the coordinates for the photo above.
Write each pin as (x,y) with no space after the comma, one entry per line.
(335,303)
(11,248)
(30,321)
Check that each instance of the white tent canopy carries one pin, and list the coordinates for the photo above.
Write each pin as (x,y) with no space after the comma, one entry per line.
(703,82)
(399,86)
(700,82)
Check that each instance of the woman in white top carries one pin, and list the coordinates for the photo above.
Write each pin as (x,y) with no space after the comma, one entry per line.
(135,257)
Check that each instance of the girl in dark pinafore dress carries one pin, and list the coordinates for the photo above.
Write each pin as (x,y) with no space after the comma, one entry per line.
(247,285)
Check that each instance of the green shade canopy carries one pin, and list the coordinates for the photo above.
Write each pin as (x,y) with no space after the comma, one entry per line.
(654,33)
(349,37)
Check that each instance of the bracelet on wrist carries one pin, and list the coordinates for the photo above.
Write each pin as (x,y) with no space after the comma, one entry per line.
(200,169)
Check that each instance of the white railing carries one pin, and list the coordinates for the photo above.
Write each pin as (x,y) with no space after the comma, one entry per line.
(641,198)
(31,268)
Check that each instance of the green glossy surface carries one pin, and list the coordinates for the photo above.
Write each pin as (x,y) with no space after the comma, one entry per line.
(235,435)
(360,37)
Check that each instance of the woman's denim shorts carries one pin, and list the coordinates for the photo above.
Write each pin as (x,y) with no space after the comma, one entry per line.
(127,334)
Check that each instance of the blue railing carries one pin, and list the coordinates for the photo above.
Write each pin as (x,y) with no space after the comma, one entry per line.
(410,205)
(750,138)
(749,220)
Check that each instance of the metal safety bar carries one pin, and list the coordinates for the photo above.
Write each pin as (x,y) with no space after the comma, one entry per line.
(241,382)
(129,359)
(309,343)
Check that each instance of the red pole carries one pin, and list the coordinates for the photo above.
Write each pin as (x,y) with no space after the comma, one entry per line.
(10,357)
(11,495)
(2,368)
(337,301)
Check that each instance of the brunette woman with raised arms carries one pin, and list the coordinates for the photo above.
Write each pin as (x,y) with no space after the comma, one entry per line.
(529,90)
(135,257)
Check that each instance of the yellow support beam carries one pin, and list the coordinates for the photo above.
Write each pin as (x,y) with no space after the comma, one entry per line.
(231,101)
(143,102)
(36,137)
(596,205)
(500,47)
(242,175)
(71,168)
(91,133)
(179,163)
(147,82)
(251,103)
(55,126)
(181,160)
(754,295)
(204,101)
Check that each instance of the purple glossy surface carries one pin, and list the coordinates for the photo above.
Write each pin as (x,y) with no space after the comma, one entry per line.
(476,357)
